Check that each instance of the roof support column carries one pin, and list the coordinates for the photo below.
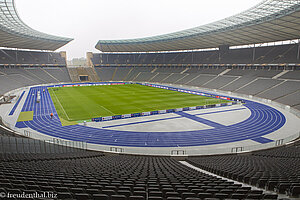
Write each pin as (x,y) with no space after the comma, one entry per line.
(298,53)
(253,53)
(192,57)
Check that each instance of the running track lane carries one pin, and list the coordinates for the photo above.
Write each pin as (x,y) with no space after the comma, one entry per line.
(17,103)
(262,121)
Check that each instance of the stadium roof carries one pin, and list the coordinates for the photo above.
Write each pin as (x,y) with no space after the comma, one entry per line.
(269,21)
(14,33)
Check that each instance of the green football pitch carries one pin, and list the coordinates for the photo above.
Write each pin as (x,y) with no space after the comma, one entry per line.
(83,103)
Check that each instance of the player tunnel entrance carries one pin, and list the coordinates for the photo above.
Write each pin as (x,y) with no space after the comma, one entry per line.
(84,78)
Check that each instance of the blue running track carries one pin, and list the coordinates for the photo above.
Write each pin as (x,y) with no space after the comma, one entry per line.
(17,103)
(262,121)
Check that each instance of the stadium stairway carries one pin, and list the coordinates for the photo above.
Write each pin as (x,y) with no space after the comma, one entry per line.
(275,169)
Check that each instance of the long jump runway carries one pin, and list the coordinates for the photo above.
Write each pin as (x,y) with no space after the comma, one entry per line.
(262,120)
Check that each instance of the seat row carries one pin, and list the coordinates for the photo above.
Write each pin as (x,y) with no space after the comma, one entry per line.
(118,177)
(268,169)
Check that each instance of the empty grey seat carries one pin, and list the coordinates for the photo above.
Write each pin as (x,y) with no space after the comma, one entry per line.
(270,196)
(136,198)
(82,196)
(100,197)
(186,195)
(154,198)
(118,197)
(64,195)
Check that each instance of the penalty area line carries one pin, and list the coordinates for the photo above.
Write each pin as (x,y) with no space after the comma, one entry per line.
(107,110)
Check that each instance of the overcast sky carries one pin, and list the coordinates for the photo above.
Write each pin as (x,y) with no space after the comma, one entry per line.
(87,21)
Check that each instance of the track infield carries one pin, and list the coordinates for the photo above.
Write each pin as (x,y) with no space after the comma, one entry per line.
(83,103)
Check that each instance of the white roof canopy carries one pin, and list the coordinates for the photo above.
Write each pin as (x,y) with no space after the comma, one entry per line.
(269,21)
(14,33)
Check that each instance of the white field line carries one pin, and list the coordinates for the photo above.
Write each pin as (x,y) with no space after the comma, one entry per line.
(107,110)
(61,105)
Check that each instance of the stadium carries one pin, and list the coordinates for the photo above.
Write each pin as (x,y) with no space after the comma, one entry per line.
(207,113)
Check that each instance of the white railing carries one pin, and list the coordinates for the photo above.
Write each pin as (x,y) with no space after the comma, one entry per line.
(44,138)
(173,151)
